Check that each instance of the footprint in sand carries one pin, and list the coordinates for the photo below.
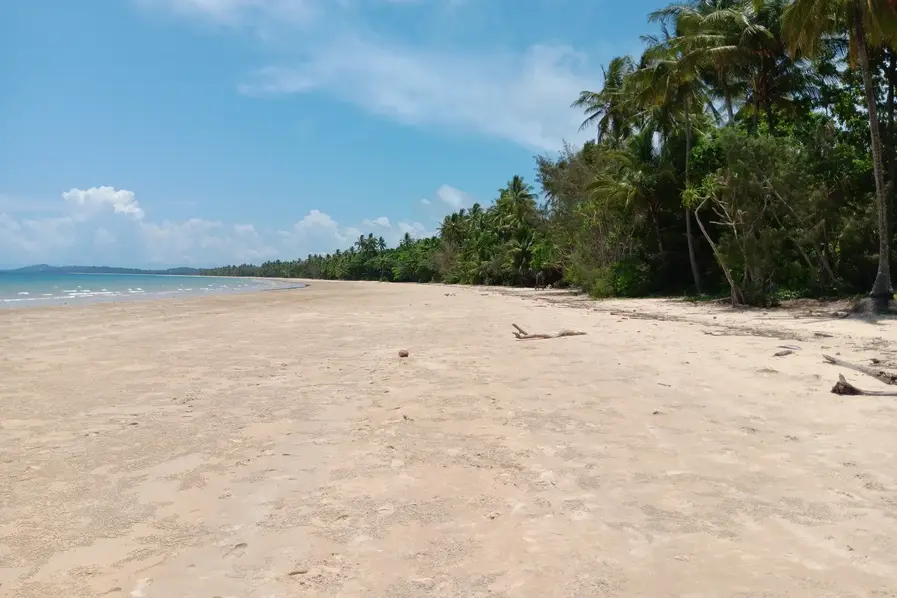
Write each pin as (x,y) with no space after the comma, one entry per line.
(237,550)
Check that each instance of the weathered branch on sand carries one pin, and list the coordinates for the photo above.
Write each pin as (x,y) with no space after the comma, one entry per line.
(523,335)
(843,387)
(877,373)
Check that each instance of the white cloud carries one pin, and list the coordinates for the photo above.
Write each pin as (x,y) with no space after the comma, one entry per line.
(415,229)
(454,198)
(108,226)
(425,201)
(245,229)
(521,98)
(99,198)
(31,236)
(382,222)
(317,232)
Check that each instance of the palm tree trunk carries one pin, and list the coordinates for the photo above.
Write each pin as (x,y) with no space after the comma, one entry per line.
(892,73)
(696,274)
(656,224)
(891,145)
(729,109)
(727,94)
(882,292)
(755,117)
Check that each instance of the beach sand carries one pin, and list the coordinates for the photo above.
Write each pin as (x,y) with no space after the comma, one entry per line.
(274,444)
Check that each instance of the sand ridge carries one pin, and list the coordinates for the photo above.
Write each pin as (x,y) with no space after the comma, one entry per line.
(274,444)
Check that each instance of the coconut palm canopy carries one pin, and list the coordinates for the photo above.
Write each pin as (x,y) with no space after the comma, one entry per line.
(750,150)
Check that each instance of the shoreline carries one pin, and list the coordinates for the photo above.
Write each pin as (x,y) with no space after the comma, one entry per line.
(276,443)
(122,296)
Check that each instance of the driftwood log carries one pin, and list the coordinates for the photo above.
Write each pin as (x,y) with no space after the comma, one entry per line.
(877,373)
(843,387)
(523,335)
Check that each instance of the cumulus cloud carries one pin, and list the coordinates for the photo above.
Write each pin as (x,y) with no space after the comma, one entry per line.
(119,201)
(108,225)
(382,222)
(198,242)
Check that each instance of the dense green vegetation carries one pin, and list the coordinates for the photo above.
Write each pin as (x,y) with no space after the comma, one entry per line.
(751,149)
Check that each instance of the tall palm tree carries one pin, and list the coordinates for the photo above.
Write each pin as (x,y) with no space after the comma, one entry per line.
(712,30)
(670,77)
(516,204)
(807,24)
(776,78)
(608,109)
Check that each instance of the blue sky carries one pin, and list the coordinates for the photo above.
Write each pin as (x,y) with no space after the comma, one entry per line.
(201,132)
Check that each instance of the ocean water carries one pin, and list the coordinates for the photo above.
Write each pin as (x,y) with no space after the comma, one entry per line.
(31,290)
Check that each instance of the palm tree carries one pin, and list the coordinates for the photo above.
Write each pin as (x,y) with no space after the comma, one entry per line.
(640,173)
(607,109)
(776,79)
(516,204)
(713,31)
(671,78)
(807,24)
(452,228)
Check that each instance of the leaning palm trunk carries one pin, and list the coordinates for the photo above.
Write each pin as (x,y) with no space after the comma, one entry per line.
(729,109)
(696,274)
(882,292)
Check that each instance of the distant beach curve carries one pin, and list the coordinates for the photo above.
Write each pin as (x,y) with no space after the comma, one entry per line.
(18,290)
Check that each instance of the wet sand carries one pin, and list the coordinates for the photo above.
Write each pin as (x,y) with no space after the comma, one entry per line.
(274,444)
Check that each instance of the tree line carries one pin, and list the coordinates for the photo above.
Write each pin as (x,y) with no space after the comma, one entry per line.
(750,150)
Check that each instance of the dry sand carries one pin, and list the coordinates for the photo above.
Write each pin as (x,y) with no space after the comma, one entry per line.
(276,445)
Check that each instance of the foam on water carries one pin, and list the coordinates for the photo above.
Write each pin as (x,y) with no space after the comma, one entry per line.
(22,290)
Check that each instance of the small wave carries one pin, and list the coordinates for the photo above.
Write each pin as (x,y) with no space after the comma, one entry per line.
(23,293)
(20,299)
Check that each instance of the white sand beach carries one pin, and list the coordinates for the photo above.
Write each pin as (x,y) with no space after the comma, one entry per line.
(274,444)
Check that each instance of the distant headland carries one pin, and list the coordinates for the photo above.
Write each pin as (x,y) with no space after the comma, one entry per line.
(47,269)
